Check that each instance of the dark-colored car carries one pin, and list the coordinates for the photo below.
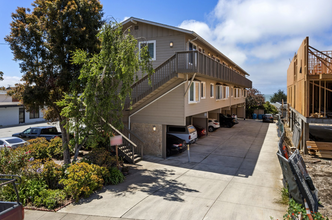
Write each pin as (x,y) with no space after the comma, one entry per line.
(268,118)
(200,131)
(48,132)
(226,121)
(174,145)
(234,116)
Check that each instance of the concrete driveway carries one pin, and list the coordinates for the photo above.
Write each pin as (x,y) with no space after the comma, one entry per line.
(234,173)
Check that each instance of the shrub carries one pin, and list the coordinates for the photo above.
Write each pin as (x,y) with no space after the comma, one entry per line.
(82,179)
(295,208)
(29,189)
(101,157)
(38,148)
(116,176)
(51,173)
(13,160)
(50,198)
(55,148)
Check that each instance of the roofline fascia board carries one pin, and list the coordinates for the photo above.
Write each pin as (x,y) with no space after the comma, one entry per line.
(131,19)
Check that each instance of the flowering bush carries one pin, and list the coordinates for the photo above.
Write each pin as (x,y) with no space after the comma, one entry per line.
(13,160)
(82,179)
(101,157)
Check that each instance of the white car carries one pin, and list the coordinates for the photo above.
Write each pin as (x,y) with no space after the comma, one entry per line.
(187,133)
(11,142)
(213,124)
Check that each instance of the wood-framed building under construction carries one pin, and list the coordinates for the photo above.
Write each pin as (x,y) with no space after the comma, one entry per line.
(309,91)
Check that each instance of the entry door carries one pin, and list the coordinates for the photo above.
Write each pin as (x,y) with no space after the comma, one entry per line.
(192,47)
(21,115)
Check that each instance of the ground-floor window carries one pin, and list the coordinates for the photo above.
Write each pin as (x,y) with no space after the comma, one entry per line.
(194,92)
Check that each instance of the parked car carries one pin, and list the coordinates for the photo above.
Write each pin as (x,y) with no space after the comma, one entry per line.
(174,144)
(11,210)
(187,133)
(48,132)
(268,118)
(11,142)
(225,121)
(213,124)
(234,116)
(200,131)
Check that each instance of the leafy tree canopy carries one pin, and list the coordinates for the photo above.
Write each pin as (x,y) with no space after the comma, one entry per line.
(42,40)
(107,78)
(279,96)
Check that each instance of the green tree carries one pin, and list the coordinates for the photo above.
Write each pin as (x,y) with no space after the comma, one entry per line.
(254,100)
(42,40)
(279,96)
(270,109)
(107,77)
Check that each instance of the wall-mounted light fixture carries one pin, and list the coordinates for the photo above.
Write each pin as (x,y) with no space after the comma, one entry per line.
(171,44)
(154,128)
(209,54)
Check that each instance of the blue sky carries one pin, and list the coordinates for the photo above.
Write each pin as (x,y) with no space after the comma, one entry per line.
(259,35)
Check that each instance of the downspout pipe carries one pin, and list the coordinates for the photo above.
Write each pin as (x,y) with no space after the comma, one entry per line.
(129,125)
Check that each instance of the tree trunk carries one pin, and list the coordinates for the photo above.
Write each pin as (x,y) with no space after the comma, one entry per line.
(65,141)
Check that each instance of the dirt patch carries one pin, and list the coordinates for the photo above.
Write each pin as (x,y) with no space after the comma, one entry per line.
(320,171)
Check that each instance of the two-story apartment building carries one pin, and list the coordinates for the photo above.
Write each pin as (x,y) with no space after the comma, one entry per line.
(193,81)
(309,87)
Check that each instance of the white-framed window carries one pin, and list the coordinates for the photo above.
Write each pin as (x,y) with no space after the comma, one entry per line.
(236,93)
(226,92)
(194,92)
(203,90)
(211,90)
(222,92)
(219,92)
(151,47)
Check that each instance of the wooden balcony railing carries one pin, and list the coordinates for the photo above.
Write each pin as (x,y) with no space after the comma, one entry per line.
(186,62)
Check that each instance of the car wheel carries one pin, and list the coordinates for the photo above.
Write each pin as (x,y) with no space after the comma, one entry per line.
(211,129)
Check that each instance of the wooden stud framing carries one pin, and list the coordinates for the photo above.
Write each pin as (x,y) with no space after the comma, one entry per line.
(325,98)
(319,99)
(313,97)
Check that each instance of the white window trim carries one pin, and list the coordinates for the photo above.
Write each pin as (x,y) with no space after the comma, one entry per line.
(212,84)
(199,93)
(154,48)
(203,96)
(236,93)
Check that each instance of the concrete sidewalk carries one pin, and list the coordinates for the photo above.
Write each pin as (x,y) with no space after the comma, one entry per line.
(234,173)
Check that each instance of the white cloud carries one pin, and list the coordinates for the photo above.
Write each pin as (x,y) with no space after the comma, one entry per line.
(125,18)
(261,35)
(10,80)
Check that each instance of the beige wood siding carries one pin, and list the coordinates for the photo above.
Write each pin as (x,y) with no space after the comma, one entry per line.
(163,37)
(167,110)
(209,104)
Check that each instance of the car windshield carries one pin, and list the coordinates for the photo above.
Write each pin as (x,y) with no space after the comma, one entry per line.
(14,140)
(268,115)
